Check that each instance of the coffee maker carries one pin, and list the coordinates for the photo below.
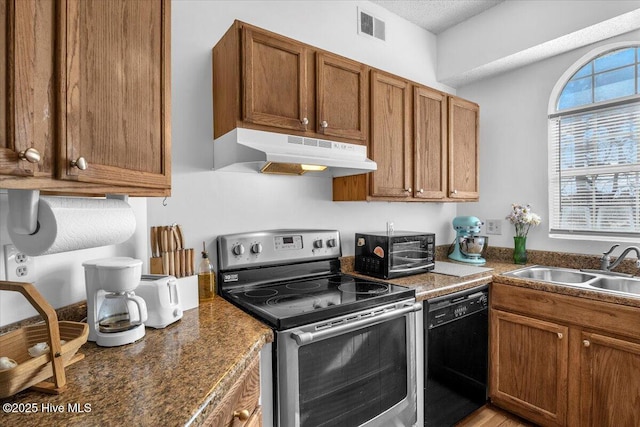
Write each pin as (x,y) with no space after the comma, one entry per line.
(468,246)
(115,314)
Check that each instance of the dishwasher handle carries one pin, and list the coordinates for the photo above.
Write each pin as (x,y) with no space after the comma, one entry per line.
(307,337)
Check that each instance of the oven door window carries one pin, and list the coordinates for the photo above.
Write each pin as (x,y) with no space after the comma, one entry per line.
(409,254)
(351,378)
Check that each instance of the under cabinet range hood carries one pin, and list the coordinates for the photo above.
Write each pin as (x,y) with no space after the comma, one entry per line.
(249,150)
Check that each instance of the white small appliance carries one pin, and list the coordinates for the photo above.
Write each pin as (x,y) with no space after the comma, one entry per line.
(161,294)
(115,314)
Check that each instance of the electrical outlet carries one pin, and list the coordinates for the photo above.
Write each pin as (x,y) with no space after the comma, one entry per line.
(494,226)
(19,267)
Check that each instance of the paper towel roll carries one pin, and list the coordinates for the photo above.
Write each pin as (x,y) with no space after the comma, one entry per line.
(68,224)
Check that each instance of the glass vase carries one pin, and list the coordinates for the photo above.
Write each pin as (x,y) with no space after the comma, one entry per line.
(520,249)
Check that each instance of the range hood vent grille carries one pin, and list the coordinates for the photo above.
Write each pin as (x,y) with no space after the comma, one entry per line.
(249,150)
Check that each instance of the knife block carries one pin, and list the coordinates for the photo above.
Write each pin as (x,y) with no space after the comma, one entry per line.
(155,265)
(178,263)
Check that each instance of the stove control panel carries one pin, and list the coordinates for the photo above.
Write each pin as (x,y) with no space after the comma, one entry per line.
(246,250)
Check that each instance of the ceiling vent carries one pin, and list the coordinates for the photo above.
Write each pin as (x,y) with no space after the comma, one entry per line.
(370,26)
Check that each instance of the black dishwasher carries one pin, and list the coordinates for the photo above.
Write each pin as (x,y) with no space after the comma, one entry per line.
(456,355)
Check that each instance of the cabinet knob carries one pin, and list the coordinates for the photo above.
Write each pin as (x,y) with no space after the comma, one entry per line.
(241,415)
(304,121)
(31,155)
(324,124)
(421,190)
(409,190)
(586,343)
(560,335)
(454,192)
(80,163)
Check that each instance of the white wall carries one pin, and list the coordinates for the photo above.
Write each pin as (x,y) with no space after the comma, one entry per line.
(513,147)
(60,277)
(209,203)
(517,33)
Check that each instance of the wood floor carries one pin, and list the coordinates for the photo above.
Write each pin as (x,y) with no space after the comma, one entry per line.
(490,416)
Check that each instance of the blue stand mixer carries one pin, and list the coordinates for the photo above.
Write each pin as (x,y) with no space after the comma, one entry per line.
(468,246)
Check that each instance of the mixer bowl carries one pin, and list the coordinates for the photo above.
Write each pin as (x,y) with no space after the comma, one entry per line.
(473,246)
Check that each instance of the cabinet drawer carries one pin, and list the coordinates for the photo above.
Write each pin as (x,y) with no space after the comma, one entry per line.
(239,407)
(605,316)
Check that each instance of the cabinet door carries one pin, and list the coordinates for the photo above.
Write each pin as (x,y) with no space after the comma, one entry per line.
(275,82)
(528,372)
(239,406)
(116,87)
(255,420)
(341,97)
(391,145)
(463,149)
(430,139)
(27,102)
(610,381)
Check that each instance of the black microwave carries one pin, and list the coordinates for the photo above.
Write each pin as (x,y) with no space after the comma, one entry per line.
(394,255)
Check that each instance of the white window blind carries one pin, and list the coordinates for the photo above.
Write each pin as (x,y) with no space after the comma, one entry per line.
(594,171)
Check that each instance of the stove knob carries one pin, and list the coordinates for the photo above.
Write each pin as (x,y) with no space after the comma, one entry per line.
(238,249)
(317,244)
(331,243)
(256,248)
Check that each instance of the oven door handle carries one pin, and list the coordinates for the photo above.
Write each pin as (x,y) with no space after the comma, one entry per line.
(420,267)
(307,337)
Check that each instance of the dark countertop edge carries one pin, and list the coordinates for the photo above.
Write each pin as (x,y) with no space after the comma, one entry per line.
(576,291)
(431,285)
(427,285)
(209,401)
(219,390)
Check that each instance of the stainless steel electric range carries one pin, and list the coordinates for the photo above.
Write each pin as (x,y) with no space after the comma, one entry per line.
(345,347)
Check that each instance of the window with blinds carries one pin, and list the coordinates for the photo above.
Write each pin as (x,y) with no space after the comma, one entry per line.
(594,150)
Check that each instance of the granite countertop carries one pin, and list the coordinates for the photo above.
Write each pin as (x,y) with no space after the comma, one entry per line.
(431,285)
(172,377)
(573,290)
(178,375)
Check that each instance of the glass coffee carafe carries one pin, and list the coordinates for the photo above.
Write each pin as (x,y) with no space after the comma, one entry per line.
(121,311)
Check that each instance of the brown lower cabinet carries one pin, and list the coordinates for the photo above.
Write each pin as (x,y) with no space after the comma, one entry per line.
(560,360)
(239,407)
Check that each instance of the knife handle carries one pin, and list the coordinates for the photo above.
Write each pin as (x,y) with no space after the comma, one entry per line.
(183,262)
(179,236)
(165,240)
(165,263)
(190,268)
(154,241)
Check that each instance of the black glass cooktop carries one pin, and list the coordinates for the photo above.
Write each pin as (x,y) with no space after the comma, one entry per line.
(294,303)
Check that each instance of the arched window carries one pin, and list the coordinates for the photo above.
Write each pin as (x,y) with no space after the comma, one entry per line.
(594,147)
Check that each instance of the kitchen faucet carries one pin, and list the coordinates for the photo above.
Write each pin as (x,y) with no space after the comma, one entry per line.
(605,261)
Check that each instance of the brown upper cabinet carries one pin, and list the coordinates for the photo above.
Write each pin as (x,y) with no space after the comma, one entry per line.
(86,97)
(430,124)
(434,159)
(341,101)
(275,81)
(463,149)
(424,141)
(265,81)
(390,145)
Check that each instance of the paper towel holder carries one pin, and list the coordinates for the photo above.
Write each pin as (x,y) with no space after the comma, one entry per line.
(23,210)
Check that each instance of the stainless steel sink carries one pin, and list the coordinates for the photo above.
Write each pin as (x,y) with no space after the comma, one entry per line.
(552,274)
(590,279)
(618,284)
